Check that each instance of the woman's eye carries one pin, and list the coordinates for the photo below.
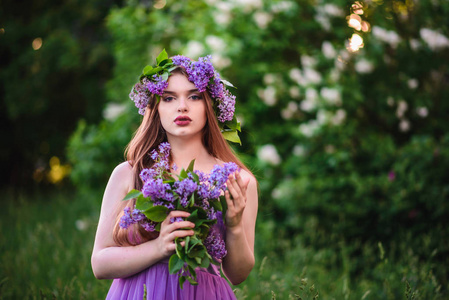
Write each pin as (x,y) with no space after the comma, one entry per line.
(195,97)
(168,99)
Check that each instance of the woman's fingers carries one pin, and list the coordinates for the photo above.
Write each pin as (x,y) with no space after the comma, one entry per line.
(242,184)
(175,214)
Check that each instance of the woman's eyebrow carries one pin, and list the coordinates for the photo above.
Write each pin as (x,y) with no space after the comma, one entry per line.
(174,93)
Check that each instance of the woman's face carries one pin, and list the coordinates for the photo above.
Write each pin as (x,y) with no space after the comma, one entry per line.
(182,108)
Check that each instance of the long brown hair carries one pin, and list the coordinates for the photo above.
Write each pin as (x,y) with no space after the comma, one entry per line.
(147,138)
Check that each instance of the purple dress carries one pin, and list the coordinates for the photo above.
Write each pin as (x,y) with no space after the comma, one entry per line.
(160,284)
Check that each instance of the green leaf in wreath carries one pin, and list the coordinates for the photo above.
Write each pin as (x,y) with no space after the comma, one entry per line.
(156,213)
(161,57)
(132,194)
(172,68)
(233,124)
(147,70)
(232,136)
(175,264)
(165,76)
(227,83)
(165,63)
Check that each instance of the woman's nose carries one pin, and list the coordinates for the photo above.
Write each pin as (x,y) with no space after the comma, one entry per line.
(182,107)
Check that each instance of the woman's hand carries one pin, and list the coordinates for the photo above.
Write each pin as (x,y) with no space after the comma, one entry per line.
(170,231)
(236,199)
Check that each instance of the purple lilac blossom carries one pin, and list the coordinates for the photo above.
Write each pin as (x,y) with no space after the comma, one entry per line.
(139,94)
(155,188)
(177,219)
(157,85)
(202,71)
(185,189)
(215,244)
(226,106)
(216,88)
(182,61)
(131,217)
(149,225)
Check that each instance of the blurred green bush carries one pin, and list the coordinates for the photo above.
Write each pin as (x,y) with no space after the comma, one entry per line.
(343,106)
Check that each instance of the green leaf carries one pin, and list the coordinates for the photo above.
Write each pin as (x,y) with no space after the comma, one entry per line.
(147,70)
(191,262)
(157,70)
(196,178)
(193,216)
(175,264)
(178,248)
(224,204)
(192,271)
(165,76)
(164,63)
(192,200)
(216,205)
(233,124)
(182,279)
(162,56)
(143,203)
(205,263)
(198,251)
(227,83)
(190,167)
(191,280)
(232,136)
(156,213)
(183,174)
(132,194)
(193,242)
(186,246)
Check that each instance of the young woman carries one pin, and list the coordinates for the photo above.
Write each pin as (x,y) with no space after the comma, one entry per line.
(184,103)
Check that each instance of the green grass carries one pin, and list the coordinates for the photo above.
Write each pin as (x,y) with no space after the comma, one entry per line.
(44,254)
(46,242)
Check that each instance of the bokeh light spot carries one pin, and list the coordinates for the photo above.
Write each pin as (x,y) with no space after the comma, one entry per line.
(160,4)
(37,43)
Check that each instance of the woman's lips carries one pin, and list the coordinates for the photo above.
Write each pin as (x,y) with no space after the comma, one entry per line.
(182,121)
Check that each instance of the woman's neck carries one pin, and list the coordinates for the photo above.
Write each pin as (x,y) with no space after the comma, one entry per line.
(184,150)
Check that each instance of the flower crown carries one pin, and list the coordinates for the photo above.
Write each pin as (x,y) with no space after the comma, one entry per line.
(154,80)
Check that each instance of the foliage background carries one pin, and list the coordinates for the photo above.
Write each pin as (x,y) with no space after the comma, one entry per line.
(349,143)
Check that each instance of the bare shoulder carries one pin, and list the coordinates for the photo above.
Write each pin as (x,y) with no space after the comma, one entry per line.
(245,175)
(122,176)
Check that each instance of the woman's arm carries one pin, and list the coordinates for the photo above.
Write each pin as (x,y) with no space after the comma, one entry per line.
(241,216)
(112,261)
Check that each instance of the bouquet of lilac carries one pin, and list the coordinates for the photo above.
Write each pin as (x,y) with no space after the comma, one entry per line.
(195,192)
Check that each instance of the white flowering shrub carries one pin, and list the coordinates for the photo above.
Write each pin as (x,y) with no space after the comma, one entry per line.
(345,108)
